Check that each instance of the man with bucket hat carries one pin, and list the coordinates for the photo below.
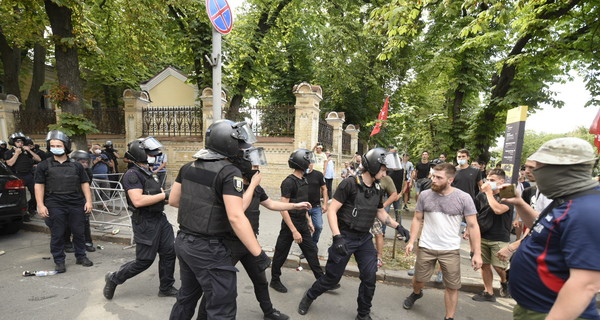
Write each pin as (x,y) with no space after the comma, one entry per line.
(555,272)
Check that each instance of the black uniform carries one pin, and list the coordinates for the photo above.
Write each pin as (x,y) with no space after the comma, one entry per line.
(23,168)
(152,233)
(65,202)
(296,190)
(239,252)
(87,232)
(355,218)
(204,260)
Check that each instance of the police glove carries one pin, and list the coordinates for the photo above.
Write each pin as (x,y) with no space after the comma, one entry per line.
(263,261)
(403,232)
(167,194)
(339,244)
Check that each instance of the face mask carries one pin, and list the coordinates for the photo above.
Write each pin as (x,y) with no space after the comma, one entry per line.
(307,171)
(97,151)
(57,151)
(248,175)
(462,162)
(151,160)
(493,185)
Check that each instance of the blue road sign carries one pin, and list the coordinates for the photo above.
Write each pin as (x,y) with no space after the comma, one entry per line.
(220,15)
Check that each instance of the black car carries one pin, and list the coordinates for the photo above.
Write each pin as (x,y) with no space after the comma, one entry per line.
(13,201)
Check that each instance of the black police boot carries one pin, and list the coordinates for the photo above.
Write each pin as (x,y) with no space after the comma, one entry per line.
(171,292)
(89,247)
(275,315)
(363,317)
(85,262)
(278,286)
(60,267)
(109,287)
(69,247)
(304,304)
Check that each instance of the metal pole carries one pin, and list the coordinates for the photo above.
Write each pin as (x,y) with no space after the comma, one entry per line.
(216,79)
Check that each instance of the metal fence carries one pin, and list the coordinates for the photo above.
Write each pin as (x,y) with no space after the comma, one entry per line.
(346,143)
(172,121)
(270,121)
(107,120)
(34,121)
(325,134)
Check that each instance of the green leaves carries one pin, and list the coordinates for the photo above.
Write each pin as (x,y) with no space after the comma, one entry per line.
(74,124)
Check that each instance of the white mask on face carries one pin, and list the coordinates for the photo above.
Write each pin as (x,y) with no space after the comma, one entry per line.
(97,151)
(151,160)
(462,162)
(493,185)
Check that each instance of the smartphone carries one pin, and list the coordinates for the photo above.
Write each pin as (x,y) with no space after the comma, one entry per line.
(508,192)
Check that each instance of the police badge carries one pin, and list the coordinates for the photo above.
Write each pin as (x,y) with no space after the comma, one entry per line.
(238,184)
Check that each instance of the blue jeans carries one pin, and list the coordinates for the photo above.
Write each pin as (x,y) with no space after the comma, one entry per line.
(316,215)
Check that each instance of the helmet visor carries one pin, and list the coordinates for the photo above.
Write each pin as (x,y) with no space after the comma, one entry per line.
(256,156)
(243,132)
(310,157)
(391,160)
(150,143)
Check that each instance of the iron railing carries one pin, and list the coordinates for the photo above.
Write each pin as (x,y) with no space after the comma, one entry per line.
(107,120)
(270,121)
(172,121)
(34,121)
(325,134)
(346,142)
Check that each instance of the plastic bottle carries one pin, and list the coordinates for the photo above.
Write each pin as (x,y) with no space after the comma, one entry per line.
(39,273)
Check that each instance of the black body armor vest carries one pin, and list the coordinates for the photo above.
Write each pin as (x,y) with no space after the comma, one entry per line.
(301,195)
(359,217)
(201,212)
(62,178)
(151,187)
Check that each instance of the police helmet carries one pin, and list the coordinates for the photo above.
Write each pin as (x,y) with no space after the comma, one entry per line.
(28,141)
(58,135)
(80,155)
(140,149)
(227,137)
(301,159)
(377,157)
(108,144)
(16,136)
(2,142)
(564,151)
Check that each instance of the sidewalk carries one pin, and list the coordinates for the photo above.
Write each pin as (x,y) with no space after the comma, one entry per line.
(270,223)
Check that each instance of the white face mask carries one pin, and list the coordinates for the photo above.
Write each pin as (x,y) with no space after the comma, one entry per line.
(462,162)
(97,151)
(493,185)
(151,160)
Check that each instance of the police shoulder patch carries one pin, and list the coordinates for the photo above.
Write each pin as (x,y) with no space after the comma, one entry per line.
(132,178)
(238,184)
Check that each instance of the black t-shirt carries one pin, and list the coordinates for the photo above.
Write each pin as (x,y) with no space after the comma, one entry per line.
(110,153)
(59,200)
(422,170)
(502,224)
(258,192)
(467,180)
(528,193)
(315,181)
(346,192)
(224,183)
(24,163)
(398,178)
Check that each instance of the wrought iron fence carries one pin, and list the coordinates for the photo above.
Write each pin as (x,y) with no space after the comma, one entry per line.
(172,121)
(34,121)
(107,120)
(270,121)
(325,134)
(361,147)
(346,142)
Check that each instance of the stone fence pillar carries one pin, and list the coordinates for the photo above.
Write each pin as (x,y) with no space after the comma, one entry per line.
(353,132)
(8,104)
(134,101)
(207,108)
(336,120)
(306,126)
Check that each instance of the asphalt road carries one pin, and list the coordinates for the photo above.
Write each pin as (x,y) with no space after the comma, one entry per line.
(77,294)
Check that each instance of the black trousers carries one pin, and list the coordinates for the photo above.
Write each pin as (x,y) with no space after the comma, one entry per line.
(58,220)
(258,278)
(205,269)
(361,245)
(284,243)
(160,231)
(87,232)
(29,182)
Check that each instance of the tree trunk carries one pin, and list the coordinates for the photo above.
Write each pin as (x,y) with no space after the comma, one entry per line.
(11,60)
(67,60)
(37,80)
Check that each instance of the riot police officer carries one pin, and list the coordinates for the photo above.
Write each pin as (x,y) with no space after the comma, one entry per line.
(152,232)
(83,158)
(63,195)
(21,160)
(254,196)
(3,149)
(356,202)
(296,225)
(208,193)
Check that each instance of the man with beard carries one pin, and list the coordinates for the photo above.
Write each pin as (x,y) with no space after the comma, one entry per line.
(441,210)
(555,272)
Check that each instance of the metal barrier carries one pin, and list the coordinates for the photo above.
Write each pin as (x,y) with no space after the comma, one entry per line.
(110,207)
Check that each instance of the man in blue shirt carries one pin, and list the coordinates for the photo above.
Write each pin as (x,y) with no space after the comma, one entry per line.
(555,272)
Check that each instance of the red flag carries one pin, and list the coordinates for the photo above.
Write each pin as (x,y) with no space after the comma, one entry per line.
(383,114)
(595,130)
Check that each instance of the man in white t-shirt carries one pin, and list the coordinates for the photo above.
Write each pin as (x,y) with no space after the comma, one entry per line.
(441,210)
